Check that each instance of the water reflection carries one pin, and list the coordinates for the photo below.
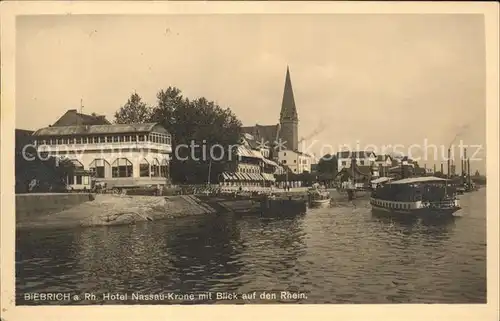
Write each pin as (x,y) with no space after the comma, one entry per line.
(342,254)
(202,253)
(44,265)
(273,249)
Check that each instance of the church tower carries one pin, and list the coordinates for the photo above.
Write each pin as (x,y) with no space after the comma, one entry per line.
(289,120)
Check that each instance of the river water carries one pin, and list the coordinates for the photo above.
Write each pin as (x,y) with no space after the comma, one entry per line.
(341,254)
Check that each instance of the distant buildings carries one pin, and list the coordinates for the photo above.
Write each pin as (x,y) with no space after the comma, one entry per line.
(363,158)
(296,161)
(119,155)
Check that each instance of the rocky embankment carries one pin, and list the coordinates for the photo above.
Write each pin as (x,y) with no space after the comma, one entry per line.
(117,209)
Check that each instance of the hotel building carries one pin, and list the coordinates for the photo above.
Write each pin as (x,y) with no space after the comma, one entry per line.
(120,155)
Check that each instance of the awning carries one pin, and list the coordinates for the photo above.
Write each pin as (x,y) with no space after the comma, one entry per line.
(246,152)
(269,162)
(268,177)
(247,176)
(233,177)
(260,177)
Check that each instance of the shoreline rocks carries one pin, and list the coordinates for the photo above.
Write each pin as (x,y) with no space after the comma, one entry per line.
(108,210)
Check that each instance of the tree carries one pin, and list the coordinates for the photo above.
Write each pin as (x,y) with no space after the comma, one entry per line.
(134,111)
(328,164)
(199,123)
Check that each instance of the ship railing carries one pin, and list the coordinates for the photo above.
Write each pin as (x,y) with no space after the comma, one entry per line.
(440,204)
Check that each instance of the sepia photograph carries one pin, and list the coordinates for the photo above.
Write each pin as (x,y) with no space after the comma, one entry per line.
(264,158)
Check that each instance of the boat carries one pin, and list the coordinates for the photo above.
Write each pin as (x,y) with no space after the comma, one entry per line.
(318,197)
(416,196)
(353,190)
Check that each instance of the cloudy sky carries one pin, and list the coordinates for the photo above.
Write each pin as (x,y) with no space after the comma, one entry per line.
(358,79)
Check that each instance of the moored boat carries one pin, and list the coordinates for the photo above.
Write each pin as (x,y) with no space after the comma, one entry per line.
(318,197)
(320,202)
(416,196)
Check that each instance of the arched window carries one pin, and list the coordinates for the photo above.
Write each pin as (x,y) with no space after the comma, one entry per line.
(155,168)
(122,167)
(144,168)
(164,168)
(98,167)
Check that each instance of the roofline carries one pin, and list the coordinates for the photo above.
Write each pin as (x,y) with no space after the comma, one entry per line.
(152,125)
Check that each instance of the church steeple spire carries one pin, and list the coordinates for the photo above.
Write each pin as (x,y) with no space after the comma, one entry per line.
(288,109)
(289,119)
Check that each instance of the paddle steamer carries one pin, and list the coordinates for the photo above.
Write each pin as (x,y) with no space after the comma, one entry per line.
(416,196)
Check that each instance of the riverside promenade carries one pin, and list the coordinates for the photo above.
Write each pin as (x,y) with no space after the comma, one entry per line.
(85,210)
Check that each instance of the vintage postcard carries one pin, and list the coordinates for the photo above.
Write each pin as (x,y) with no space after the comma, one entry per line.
(277,160)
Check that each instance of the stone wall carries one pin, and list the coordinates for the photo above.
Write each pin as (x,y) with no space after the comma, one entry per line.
(30,206)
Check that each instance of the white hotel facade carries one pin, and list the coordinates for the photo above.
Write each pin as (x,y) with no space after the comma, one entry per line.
(120,155)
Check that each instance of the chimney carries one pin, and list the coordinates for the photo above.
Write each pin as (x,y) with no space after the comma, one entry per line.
(468,170)
(442,169)
(448,163)
(465,161)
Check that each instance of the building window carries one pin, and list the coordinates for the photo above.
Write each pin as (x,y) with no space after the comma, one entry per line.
(78,179)
(155,168)
(142,138)
(133,138)
(71,179)
(98,167)
(344,163)
(102,139)
(284,161)
(127,138)
(78,140)
(122,167)
(362,162)
(164,168)
(295,161)
(284,154)
(144,169)
(109,139)
(116,139)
